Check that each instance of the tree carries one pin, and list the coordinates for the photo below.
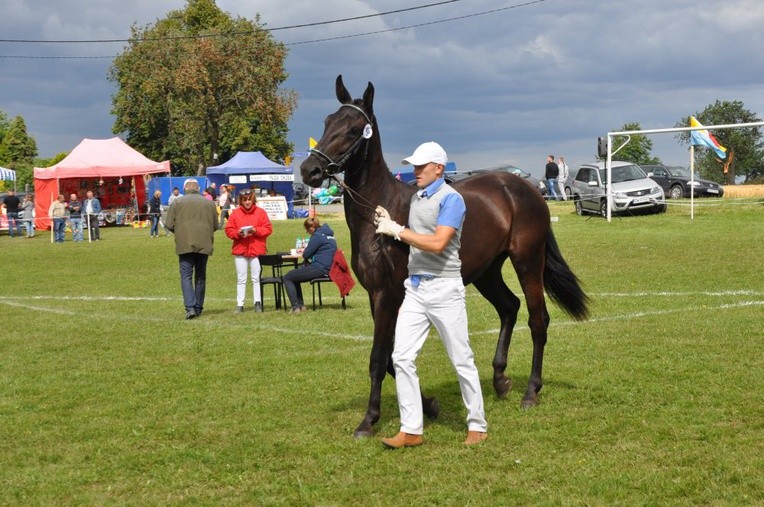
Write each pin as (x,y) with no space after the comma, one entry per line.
(638,149)
(743,144)
(18,150)
(200,84)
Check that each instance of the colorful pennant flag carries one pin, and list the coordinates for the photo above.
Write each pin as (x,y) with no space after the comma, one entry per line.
(705,138)
(312,143)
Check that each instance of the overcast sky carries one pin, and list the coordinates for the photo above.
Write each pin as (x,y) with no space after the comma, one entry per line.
(501,82)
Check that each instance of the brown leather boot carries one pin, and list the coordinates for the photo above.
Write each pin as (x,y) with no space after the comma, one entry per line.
(402,440)
(475,437)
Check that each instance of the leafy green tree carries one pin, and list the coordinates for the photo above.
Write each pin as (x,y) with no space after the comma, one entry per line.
(4,124)
(745,148)
(18,150)
(200,83)
(638,149)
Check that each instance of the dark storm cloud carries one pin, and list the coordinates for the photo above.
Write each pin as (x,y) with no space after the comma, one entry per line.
(510,86)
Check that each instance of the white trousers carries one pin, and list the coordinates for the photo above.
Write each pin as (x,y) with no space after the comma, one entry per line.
(439,302)
(242,264)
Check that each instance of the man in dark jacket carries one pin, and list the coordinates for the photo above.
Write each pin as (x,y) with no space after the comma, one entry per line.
(319,255)
(194,220)
(551,171)
(11,204)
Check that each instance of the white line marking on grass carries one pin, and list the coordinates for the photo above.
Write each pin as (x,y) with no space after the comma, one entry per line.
(724,293)
(634,315)
(212,323)
(89,298)
(7,302)
(12,301)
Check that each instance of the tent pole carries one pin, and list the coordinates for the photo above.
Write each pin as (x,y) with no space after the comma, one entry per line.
(50,217)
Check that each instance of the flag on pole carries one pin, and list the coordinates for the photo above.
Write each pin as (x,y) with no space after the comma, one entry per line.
(312,143)
(705,138)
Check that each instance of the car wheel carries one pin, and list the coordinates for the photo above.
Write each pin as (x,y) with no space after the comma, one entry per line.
(579,207)
(662,208)
(676,192)
(603,208)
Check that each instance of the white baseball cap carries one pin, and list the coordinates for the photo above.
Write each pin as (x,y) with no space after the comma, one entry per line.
(426,153)
(191,181)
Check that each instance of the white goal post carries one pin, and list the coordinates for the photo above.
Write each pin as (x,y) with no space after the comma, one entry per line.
(629,133)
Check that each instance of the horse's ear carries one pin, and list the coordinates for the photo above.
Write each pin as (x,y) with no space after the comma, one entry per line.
(368,99)
(342,93)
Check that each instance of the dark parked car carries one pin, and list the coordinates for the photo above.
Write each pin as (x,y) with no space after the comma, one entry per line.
(538,184)
(675,182)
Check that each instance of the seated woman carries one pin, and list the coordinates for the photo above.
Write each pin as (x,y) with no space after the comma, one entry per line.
(318,255)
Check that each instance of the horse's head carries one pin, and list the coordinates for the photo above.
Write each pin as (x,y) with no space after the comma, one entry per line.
(346,137)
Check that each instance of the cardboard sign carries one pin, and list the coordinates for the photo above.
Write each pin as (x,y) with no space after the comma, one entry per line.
(275,207)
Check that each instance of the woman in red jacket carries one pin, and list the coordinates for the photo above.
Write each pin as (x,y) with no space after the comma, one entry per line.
(248,226)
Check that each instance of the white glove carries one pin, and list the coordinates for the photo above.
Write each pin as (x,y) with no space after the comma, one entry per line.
(389,227)
(380,214)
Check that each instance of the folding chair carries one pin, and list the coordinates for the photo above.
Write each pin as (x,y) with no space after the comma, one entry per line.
(276,279)
(316,282)
(342,278)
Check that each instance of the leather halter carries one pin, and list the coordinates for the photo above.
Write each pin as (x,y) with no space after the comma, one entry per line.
(333,167)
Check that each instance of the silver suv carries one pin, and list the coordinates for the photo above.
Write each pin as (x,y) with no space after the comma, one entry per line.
(632,189)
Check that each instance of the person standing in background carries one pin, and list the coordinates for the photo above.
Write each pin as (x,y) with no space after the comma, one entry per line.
(551,172)
(155,209)
(74,206)
(248,227)
(92,207)
(27,208)
(224,202)
(193,220)
(173,196)
(563,176)
(57,212)
(11,204)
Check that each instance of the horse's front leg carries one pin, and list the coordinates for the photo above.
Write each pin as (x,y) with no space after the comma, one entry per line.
(379,364)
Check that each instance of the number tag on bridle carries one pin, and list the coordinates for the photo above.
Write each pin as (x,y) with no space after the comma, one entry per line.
(368,131)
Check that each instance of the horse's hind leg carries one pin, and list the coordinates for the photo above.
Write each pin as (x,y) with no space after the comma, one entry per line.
(491,285)
(538,322)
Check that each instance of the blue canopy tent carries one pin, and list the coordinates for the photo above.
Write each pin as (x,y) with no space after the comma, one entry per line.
(165,184)
(251,168)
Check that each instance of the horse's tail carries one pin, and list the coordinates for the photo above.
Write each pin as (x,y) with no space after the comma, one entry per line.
(561,284)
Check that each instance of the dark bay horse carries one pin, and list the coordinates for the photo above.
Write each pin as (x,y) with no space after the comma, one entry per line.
(506,218)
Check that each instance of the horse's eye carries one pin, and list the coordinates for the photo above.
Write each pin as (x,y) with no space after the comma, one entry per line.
(355,131)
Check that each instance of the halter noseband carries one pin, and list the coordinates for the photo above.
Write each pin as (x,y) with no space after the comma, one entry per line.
(333,167)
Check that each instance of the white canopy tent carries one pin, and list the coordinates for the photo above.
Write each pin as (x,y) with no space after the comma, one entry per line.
(8,174)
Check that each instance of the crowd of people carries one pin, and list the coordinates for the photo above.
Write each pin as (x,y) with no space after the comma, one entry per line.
(193,219)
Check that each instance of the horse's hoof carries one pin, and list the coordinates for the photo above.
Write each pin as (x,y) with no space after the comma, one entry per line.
(529,402)
(431,408)
(360,434)
(502,386)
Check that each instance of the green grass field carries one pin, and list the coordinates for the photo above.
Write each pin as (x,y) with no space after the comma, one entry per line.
(107,396)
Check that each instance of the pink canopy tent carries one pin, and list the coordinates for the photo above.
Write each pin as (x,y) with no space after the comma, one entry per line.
(106,166)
